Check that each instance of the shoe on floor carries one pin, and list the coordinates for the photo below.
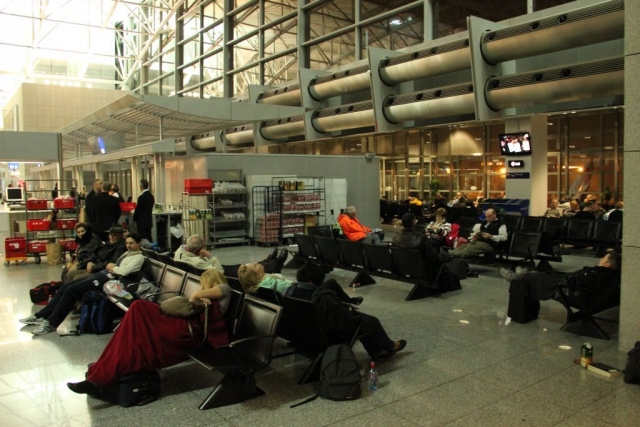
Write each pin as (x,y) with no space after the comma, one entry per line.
(521,270)
(357,300)
(84,387)
(507,274)
(44,328)
(273,254)
(31,320)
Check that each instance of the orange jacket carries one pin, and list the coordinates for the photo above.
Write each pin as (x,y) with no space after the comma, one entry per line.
(352,228)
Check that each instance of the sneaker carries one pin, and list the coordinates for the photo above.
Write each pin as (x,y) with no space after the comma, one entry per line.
(31,320)
(521,270)
(44,328)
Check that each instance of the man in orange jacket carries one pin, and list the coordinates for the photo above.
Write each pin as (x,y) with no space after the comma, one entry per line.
(352,228)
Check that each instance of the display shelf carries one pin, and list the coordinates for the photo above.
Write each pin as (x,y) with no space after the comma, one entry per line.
(216,227)
(43,189)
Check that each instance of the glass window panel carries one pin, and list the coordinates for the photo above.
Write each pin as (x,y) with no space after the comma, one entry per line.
(494,131)
(396,32)
(281,70)
(467,141)
(242,80)
(336,51)
(191,50)
(246,21)
(331,16)
(281,37)
(584,175)
(584,142)
(589,123)
(383,144)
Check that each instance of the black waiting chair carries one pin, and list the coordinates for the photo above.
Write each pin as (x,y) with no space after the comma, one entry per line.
(320,230)
(531,224)
(328,251)
(307,249)
(353,257)
(149,253)
(512,222)
(579,231)
(189,268)
(524,246)
(165,259)
(379,260)
(607,234)
(250,351)
(411,267)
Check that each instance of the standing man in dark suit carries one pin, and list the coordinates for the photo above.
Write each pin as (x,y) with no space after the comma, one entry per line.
(143,213)
(107,212)
(88,202)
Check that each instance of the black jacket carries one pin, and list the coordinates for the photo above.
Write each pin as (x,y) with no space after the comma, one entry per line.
(107,212)
(88,207)
(107,253)
(415,239)
(332,311)
(87,246)
(143,215)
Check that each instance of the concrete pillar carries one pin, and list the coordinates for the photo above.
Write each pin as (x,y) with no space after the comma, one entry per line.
(630,299)
(530,181)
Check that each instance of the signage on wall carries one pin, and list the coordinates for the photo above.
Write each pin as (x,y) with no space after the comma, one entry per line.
(515,163)
(518,175)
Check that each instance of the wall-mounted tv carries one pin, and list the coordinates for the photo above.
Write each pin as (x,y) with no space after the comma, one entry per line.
(515,144)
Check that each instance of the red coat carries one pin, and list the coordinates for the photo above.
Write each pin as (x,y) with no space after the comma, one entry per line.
(352,228)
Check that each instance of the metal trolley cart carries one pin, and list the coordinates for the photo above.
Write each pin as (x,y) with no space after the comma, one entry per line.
(15,249)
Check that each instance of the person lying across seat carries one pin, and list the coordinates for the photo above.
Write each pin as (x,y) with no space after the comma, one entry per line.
(264,274)
(49,318)
(544,286)
(331,304)
(149,339)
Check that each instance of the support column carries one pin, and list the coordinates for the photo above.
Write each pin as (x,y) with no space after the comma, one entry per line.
(630,298)
(529,182)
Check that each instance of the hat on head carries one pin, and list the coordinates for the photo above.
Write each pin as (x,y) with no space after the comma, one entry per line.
(116,229)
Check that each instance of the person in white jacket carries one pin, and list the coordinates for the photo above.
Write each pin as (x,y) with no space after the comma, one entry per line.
(49,318)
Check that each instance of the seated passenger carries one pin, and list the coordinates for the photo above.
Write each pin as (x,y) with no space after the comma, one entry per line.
(253,276)
(438,229)
(194,253)
(274,263)
(354,230)
(62,303)
(553,211)
(586,212)
(149,339)
(618,207)
(409,237)
(310,274)
(88,244)
(104,255)
(544,286)
(484,238)
(329,301)
(574,208)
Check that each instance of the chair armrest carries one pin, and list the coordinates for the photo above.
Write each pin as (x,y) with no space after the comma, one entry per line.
(243,340)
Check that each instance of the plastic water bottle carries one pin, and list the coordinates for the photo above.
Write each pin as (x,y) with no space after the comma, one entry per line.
(372,377)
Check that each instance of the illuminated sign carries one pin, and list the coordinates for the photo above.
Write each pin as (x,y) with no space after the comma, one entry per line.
(515,163)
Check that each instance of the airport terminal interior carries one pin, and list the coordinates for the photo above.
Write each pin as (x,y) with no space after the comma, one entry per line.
(242,114)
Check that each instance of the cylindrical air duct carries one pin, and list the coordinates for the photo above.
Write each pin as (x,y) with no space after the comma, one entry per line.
(282,128)
(351,116)
(239,135)
(204,142)
(340,83)
(448,101)
(288,95)
(571,83)
(582,27)
(447,58)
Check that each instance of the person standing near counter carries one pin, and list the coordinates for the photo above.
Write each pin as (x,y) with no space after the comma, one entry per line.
(143,215)
(88,202)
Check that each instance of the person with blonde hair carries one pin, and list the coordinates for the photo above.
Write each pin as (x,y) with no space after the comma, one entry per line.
(149,339)
(252,276)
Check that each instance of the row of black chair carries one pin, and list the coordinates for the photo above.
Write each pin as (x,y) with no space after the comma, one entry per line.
(408,265)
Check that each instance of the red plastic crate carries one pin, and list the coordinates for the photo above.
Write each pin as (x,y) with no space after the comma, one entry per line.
(64,203)
(15,247)
(36,205)
(198,186)
(37,225)
(37,246)
(66,224)
(127,206)
(68,244)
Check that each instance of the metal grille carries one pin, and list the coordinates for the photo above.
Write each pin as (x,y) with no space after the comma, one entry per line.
(279,91)
(429,95)
(345,109)
(292,119)
(436,50)
(340,75)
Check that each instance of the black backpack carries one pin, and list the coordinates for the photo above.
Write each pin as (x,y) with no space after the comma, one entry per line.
(41,294)
(340,377)
(96,314)
(632,369)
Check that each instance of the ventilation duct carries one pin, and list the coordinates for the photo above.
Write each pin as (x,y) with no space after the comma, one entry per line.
(351,116)
(340,83)
(288,95)
(448,101)
(282,128)
(204,142)
(181,146)
(447,58)
(573,83)
(240,135)
(582,27)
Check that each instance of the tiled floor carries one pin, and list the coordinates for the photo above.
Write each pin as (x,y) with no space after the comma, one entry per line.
(464,365)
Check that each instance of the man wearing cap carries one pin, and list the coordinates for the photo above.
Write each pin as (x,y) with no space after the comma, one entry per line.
(49,318)
(103,255)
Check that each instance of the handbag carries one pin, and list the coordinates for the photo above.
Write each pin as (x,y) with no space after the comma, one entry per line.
(180,306)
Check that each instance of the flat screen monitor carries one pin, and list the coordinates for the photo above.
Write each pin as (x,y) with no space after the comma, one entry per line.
(515,144)
(15,195)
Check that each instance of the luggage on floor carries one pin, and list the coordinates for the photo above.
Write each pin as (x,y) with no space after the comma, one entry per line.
(96,314)
(41,294)
(448,281)
(459,267)
(522,309)
(137,389)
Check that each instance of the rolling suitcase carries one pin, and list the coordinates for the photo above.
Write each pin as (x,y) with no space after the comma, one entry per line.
(522,309)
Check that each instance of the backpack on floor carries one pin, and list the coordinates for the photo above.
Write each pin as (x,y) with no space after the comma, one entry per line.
(340,377)
(138,389)
(522,309)
(96,314)
(41,294)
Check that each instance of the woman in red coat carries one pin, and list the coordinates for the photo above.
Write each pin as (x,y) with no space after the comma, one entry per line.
(149,339)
